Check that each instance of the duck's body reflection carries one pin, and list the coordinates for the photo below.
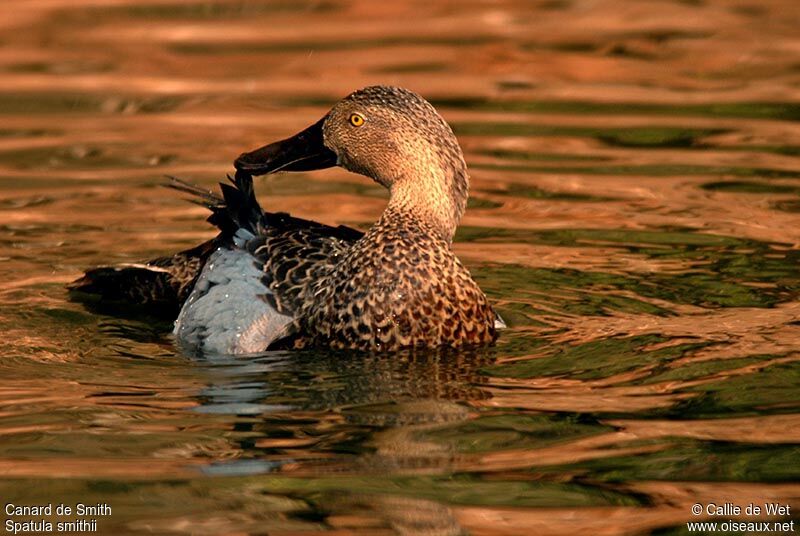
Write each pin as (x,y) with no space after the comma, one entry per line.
(325,415)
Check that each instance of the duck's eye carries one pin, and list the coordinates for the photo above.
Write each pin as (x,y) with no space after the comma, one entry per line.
(356,120)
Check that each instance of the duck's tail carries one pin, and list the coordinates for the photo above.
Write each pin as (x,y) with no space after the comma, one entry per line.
(157,286)
(236,209)
(162,285)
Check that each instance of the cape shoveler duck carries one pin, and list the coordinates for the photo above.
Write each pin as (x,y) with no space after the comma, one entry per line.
(269,278)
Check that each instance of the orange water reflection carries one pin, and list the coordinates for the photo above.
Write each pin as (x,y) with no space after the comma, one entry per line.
(635,217)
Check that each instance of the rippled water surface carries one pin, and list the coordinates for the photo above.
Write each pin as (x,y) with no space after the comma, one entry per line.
(634,216)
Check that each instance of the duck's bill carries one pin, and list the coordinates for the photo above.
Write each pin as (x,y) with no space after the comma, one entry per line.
(304,151)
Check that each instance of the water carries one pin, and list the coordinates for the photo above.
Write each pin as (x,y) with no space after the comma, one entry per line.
(634,216)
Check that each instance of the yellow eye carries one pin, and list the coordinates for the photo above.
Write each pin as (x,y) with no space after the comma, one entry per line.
(356,120)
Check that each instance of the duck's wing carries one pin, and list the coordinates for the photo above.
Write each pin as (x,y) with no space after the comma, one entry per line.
(238,292)
(251,287)
(294,253)
(158,286)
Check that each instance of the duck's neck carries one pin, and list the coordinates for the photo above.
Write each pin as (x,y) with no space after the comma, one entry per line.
(435,202)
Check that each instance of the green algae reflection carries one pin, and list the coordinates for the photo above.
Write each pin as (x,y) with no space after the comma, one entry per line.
(720,271)
(491,433)
(642,137)
(597,359)
(782,111)
(772,389)
(699,461)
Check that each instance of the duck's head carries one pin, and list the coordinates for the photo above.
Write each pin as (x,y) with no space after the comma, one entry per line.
(389,134)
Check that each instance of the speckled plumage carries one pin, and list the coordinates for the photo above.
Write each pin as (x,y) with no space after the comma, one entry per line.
(159,286)
(397,285)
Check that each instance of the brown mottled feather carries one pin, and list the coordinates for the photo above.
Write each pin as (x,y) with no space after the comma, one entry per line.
(398,286)
(160,285)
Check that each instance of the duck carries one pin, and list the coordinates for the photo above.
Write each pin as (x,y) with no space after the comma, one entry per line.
(270,280)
